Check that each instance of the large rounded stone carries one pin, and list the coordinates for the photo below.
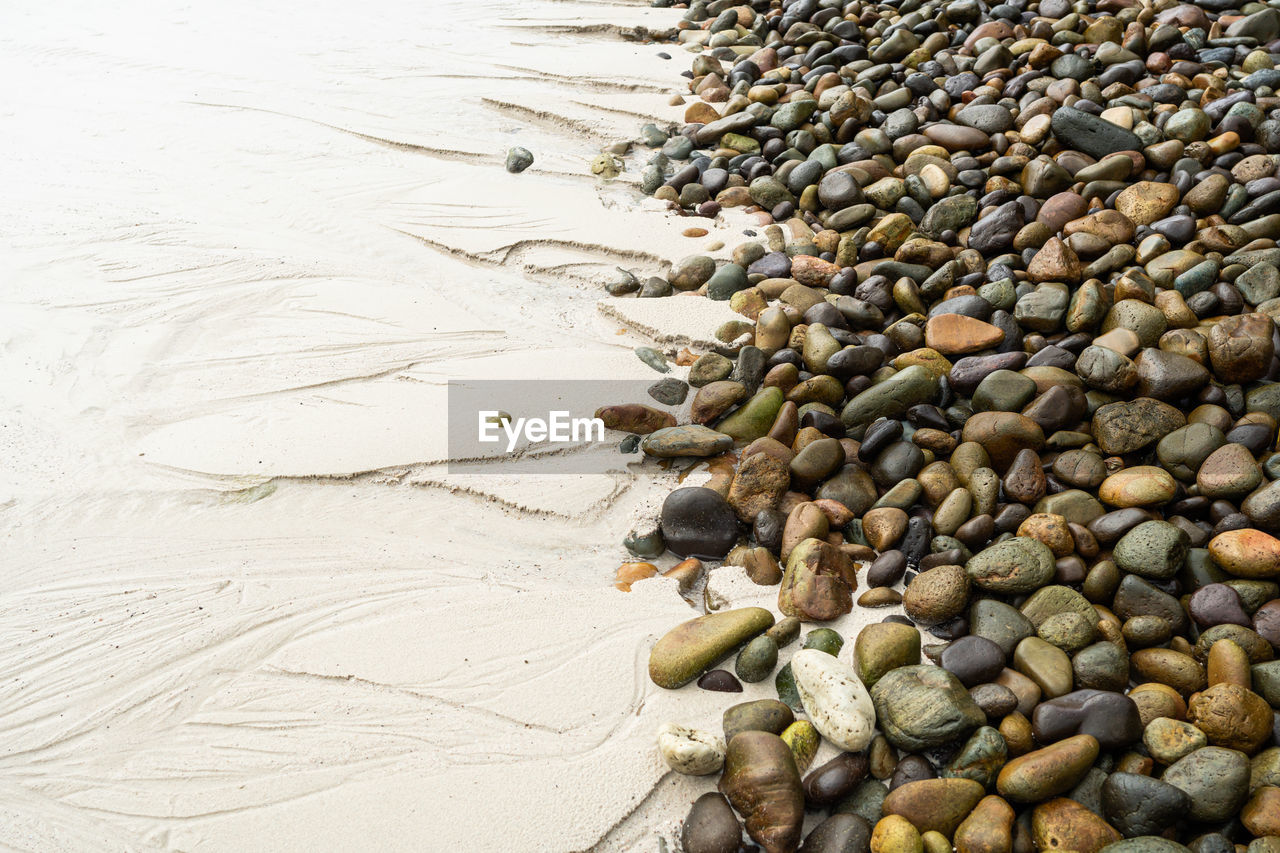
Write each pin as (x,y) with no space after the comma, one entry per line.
(919,707)
(1125,427)
(1017,565)
(835,700)
(1139,805)
(1216,780)
(1246,553)
(1003,434)
(711,826)
(1153,549)
(763,784)
(698,522)
(885,646)
(934,805)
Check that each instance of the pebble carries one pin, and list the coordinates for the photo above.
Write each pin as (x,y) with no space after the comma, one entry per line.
(711,826)
(1215,779)
(919,707)
(1049,771)
(693,647)
(690,751)
(518,159)
(834,698)
(762,784)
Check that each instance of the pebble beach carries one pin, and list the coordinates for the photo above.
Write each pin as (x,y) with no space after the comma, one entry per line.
(950,520)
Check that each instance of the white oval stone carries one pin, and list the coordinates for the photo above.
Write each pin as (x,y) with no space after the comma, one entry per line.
(692,752)
(835,699)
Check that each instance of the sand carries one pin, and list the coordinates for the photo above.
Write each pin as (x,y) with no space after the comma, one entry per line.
(246,606)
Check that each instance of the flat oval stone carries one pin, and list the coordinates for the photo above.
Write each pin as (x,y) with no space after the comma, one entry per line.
(1045,664)
(834,780)
(934,805)
(1247,553)
(1094,136)
(688,440)
(691,648)
(1047,772)
(1142,485)
(762,715)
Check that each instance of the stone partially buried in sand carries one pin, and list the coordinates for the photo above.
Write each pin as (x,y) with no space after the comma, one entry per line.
(698,522)
(691,648)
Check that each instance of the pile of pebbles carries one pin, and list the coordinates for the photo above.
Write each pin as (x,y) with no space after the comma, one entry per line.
(1007,358)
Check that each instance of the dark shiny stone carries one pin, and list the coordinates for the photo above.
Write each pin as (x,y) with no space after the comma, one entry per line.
(1112,718)
(1140,805)
(911,768)
(698,522)
(855,361)
(973,660)
(967,373)
(767,529)
(834,780)
(1109,527)
(1052,356)
(886,569)
(721,681)
(915,544)
(879,436)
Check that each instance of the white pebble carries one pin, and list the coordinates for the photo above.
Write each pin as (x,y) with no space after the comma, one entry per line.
(692,752)
(835,699)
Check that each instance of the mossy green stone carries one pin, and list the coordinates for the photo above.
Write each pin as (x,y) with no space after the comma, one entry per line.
(892,397)
(755,417)
(1153,549)
(980,759)
(726,281)
(824,640)
(1074,505)
(785,683)
(757,659)
(693,647)
(762,715)
(882,647)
